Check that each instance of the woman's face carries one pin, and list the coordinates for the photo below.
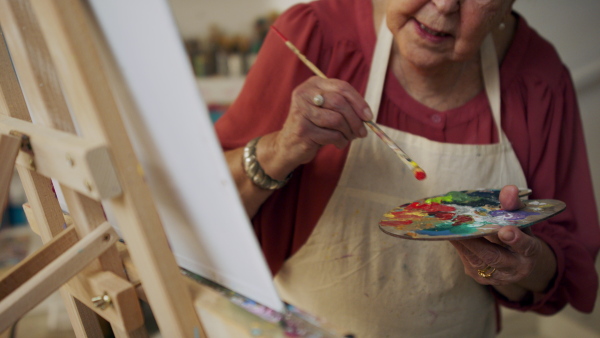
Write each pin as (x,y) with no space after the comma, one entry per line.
(429,33)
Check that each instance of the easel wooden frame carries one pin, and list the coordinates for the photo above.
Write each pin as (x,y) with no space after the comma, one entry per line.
(57,51)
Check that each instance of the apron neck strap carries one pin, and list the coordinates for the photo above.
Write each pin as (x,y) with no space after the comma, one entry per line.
(379,65)
(491,79)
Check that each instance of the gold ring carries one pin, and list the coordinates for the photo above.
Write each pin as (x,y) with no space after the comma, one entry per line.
(318,100)
(487,272)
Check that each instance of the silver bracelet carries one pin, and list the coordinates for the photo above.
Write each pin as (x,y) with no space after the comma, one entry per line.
(256,173)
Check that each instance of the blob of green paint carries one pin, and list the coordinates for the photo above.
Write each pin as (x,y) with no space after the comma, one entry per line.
(452,196)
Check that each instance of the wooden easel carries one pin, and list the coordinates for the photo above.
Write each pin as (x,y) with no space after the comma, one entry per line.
(57,53)
(56,70)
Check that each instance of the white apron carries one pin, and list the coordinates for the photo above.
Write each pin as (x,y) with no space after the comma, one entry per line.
(365,282)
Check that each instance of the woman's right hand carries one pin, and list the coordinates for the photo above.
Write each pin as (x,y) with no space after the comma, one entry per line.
(308,127)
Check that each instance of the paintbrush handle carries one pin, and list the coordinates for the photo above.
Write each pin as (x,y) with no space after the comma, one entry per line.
(306,61)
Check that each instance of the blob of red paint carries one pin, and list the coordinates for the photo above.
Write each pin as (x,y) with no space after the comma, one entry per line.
(429,207)
(462,219)
(442,215)
(420,175)
(396,223)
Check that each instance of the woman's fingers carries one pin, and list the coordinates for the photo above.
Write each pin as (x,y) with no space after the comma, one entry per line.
(511,261)
(479,255)
(345,107)
(353,98)
(322,111)
(519,242)
(509,198)
(335,115)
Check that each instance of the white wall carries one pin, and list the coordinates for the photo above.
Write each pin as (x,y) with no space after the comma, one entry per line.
(234,16)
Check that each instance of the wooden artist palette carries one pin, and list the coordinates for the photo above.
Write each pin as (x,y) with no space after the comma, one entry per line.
(463,214)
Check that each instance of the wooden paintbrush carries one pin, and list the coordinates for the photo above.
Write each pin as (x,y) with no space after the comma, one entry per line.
(417,171)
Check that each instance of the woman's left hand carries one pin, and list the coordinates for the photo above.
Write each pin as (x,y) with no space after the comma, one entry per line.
(513,261)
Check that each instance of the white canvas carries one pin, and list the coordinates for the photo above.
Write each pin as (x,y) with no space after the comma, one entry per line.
(174,139)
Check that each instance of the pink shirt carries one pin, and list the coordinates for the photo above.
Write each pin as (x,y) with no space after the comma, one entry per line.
(539,116)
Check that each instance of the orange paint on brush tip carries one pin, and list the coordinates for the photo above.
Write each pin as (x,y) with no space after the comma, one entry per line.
(419,174)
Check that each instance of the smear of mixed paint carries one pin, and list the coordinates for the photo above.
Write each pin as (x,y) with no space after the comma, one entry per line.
(460,214)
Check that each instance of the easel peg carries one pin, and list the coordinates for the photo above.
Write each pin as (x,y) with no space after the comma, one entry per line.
(102,302)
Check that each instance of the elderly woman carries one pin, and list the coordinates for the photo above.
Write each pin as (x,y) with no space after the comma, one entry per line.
(478,99)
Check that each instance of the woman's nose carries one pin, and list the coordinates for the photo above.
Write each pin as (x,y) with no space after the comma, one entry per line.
(447,6)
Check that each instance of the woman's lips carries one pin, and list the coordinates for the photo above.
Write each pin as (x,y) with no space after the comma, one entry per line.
(431,33)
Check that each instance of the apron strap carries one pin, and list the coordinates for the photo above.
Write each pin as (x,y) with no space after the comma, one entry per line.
(491,80)
(379,65)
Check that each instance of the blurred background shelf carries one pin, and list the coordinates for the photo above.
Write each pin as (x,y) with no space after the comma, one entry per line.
(219,89)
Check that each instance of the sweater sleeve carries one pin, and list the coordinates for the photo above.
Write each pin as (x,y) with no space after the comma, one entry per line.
(558,168)
(261,108)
